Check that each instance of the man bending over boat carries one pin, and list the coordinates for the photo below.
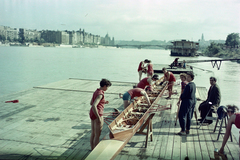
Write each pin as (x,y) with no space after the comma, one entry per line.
(147,81)
(97,102)
(135,92)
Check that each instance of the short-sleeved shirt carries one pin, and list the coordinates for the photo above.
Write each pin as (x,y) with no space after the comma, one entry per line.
(143,83)
(150,69)
(171,77)
(100,105)
(135,92)
(140,66)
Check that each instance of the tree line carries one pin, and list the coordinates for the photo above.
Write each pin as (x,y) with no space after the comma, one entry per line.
(231,48)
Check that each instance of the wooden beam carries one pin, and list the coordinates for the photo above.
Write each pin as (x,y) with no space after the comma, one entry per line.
(106,149)
(197,61)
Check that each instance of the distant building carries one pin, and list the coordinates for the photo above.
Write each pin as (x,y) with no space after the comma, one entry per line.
(8,32)
(52,36)
(113,42)
(58,37)
(32,34)
(87,38)
(2,31)
(107,40)
(64,38)
(12,33)
(72,37)
(28,35)
(202,39)
(96,39)
(21,35)
(78,37)
(203,43)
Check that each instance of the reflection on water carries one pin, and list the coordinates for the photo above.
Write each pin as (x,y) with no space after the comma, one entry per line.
(25,67)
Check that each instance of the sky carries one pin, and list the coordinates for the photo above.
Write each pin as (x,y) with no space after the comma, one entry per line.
(139,20)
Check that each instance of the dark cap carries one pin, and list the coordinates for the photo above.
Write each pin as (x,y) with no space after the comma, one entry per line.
(155,77)
(149,88)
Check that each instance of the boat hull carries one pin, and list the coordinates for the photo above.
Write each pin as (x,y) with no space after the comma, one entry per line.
(130,120)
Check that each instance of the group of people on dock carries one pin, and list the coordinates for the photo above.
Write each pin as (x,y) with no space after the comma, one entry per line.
(98,101)
(176,63)
(186,103)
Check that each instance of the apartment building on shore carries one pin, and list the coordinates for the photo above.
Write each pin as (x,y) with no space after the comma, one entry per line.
(6,32)
(79,37)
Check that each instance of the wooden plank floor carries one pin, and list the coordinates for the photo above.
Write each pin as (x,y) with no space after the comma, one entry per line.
(52,122)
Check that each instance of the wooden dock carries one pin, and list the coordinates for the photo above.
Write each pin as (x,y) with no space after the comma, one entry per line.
(52,122)
(157,68)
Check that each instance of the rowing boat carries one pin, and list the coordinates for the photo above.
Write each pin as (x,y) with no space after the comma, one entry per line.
(130,120)
(127,123)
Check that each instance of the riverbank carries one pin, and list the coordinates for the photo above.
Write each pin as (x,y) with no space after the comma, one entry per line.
(50,45)
(231,53)
(220,51)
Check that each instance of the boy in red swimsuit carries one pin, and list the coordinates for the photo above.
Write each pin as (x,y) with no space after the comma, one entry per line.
(150,71)
(141,68)
(168,76)
(96,112)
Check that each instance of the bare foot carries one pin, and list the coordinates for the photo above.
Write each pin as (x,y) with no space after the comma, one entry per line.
(120,95)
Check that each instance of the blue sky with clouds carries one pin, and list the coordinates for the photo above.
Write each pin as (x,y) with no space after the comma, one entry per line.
(126,20)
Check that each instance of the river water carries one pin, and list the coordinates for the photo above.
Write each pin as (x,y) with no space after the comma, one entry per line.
(22,68)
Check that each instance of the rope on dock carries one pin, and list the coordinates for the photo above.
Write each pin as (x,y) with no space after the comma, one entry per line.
(71,90)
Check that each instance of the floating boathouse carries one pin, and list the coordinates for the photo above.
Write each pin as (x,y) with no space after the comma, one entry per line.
(184,48)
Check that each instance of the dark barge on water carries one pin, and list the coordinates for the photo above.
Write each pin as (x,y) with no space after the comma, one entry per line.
(184,48)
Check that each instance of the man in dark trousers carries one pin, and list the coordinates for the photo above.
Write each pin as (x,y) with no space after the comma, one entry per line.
(212,102)
(187,106)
